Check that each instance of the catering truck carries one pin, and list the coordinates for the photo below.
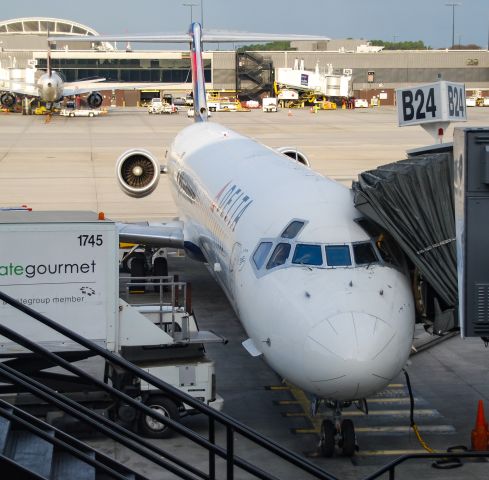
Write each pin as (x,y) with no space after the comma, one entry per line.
(65,265)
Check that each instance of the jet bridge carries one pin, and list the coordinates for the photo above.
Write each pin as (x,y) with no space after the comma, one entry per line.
(411,203)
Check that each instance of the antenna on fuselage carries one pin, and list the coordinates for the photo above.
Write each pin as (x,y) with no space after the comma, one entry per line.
(198,78)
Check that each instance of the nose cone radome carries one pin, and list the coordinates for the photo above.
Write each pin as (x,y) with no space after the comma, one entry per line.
(350,356)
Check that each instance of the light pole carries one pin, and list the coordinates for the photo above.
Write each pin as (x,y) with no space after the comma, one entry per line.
(202,13)
(191,5)
(453,5)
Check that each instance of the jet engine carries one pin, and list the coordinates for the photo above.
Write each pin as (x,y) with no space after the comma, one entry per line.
(7,100)
(138,173)
(295,154)
(95,100)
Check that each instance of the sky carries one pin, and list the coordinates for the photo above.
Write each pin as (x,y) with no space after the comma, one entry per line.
(388,20)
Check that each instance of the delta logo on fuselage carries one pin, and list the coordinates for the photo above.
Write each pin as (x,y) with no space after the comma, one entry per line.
(230,204)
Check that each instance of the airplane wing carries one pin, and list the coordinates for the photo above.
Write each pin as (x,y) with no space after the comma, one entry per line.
(21,89)
(152,234)
(208,37)
(83,86)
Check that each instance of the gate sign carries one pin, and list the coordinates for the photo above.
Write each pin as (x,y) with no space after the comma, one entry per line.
(431,103)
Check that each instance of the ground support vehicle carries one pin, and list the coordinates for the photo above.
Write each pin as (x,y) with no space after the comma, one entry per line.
(325,105)
(269,104)
(223,106)
(66,112)
(71,277)
(158,107)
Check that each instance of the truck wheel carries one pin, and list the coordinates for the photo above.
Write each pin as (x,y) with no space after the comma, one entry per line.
(149,426)
(90,114)
(72,114)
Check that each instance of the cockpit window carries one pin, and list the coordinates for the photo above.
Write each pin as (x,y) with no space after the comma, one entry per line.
(364,253)
(279,255)
(292,229)
(307,255)
(261,254)
(338,255)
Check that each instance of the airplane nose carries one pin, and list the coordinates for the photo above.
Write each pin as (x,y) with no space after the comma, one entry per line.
(358,347)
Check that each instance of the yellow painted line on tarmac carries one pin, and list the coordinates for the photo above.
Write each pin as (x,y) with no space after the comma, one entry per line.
(407,429)
(394,453)
(390,400)
(287,402)
(278,387)
(306,430)
(304,402)
(372,413)
(437,429)
(392,413)
(396,385)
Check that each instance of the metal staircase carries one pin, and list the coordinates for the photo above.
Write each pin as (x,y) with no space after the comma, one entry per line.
(32,449)
(254,75)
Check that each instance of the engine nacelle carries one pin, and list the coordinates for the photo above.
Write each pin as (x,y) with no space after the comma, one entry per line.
(295,154)
(94,100)
(7,100)
(138,173)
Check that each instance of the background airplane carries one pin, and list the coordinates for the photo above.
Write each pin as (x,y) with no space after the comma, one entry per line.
(50,87)
(311,288)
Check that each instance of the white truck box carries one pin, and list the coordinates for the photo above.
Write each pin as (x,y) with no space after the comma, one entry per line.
(269,104)
(63,265)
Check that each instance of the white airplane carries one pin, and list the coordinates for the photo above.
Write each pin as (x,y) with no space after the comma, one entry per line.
(50,88)
(307,282)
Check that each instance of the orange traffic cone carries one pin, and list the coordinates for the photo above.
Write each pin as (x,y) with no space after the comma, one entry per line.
(290,113)
(480,434)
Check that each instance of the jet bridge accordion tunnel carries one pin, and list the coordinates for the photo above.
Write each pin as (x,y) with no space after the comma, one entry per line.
(409,208)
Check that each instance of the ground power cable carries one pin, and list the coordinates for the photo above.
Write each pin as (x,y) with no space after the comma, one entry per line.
(443,463)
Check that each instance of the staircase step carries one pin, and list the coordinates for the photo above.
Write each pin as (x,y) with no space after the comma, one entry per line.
(4,430)
(103,476)
(66,466)
(30,451)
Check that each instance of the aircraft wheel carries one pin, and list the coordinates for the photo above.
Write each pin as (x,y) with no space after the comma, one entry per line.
(327,438)
(348,440)
(152,428)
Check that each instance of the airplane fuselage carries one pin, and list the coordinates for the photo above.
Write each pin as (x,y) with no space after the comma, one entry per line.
(306,281)
(50,87)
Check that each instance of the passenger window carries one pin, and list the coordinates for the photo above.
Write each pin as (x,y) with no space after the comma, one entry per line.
(261,254)
(307,255)
(279,255)
(338,255)
(364,253)
(292,229)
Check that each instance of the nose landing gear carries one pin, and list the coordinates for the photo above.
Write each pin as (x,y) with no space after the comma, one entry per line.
(337,432)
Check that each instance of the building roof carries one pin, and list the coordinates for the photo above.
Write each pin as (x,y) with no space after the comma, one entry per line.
(40,25)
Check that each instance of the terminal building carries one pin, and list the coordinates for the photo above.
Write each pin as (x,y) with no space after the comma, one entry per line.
(23,45)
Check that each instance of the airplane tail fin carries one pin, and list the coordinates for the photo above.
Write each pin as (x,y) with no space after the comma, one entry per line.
(48,69)
(198,79)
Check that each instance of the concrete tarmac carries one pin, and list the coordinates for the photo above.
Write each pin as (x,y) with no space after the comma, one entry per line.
(68,164)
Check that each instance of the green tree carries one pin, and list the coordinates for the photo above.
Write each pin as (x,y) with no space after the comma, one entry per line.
(276,46)
(470,46)
(406,45)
